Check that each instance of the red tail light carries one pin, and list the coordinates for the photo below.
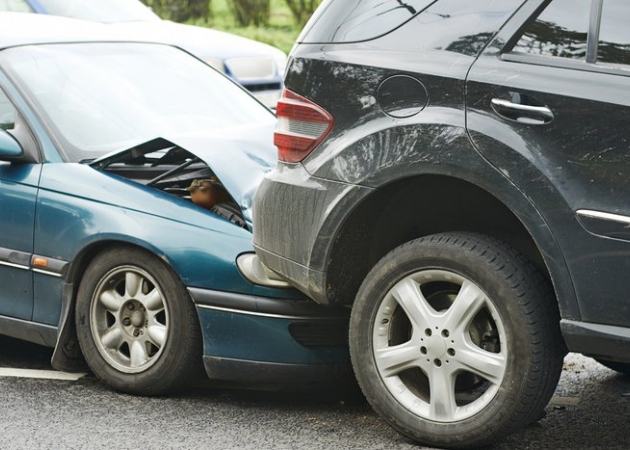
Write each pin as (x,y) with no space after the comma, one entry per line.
(302,125)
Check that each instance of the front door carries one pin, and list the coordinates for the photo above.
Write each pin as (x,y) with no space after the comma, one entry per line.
(18,194)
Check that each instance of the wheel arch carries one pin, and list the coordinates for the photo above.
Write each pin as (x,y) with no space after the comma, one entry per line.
(401,210)
(67,355)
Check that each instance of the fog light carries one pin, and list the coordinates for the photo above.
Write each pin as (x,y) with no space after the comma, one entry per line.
(256,272)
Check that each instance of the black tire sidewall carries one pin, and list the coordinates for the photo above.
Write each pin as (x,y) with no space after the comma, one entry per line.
(398,264)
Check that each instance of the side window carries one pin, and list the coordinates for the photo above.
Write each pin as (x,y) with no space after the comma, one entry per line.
(8,113)
(614,34)
(560,30)
(15,6)
(12,122)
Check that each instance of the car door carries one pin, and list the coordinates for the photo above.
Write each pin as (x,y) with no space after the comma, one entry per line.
(18,194)
(548,103)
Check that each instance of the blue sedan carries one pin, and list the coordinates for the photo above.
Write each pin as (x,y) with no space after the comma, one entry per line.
(103,255)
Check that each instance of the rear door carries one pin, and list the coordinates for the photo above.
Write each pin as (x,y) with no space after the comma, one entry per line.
(548,103)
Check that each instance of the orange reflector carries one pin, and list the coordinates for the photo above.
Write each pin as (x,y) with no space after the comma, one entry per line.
(38,261)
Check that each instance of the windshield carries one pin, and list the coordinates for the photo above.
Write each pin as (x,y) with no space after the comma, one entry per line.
(108,11)
(102,97)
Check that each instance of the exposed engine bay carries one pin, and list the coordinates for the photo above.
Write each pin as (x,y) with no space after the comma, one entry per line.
(162,165)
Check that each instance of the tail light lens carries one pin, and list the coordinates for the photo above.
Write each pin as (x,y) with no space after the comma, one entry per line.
(302,125)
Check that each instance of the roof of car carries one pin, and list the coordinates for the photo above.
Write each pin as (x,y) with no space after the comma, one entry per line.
(26,28)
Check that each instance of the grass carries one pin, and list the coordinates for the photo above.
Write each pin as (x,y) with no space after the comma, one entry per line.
(281,31)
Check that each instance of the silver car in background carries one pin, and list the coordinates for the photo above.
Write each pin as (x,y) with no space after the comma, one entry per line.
(258,67)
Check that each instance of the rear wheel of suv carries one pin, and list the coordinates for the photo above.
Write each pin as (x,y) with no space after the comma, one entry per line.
(455,340)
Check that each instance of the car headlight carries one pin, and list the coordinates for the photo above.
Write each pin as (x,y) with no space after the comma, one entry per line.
(256,272)
(281,63)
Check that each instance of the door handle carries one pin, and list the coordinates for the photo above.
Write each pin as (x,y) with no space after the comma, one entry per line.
(533,115)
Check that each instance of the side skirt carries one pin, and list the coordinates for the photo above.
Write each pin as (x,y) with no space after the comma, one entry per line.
(597,340)
(29,331)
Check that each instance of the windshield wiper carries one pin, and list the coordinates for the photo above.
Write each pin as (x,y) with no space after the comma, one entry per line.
(172,171)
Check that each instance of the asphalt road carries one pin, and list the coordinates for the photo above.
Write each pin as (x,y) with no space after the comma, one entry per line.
(589,411)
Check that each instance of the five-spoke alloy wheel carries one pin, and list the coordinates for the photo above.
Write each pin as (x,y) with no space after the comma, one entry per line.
(455,340)
(136,325)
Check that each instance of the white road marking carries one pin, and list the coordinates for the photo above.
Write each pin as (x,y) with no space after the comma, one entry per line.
(40,374)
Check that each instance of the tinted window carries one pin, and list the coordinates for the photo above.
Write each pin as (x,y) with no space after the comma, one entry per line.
(15,6)
(560,30)
(359,20)
(614,35)
(460,26)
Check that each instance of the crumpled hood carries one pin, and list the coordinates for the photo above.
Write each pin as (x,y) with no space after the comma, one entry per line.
(239,156)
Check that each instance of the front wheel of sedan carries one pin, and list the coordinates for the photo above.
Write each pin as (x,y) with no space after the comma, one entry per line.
(455,340)
(136,324)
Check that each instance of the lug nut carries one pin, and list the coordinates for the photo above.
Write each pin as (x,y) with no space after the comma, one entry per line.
(136,332)
(126,321)
(130,306)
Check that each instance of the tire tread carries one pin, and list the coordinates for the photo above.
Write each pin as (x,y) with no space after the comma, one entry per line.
(537,303)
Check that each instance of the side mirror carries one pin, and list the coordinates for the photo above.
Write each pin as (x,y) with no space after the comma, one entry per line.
(10,149)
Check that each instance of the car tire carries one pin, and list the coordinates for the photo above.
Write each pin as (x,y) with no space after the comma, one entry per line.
(136,324)
(622,368)
(418,325)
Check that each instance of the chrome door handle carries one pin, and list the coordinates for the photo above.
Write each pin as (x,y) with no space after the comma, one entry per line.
(534,115)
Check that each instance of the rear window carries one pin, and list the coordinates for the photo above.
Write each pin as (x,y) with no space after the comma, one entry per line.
(359,20)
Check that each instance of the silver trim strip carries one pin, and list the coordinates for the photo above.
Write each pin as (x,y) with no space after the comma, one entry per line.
(19,266)
(16,266)
(603,215)
(46,272)
(276,316)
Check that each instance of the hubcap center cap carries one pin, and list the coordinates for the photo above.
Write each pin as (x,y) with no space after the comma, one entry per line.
(137,318)
(436,347)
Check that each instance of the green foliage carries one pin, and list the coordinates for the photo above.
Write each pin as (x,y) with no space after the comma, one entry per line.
(302,9)
(279,26)
(281,31)
(250,12)
(180,10)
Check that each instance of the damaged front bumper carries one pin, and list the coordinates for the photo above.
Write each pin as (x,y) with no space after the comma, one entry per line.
(251,339)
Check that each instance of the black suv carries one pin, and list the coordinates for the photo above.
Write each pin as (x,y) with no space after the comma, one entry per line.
(459,173)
